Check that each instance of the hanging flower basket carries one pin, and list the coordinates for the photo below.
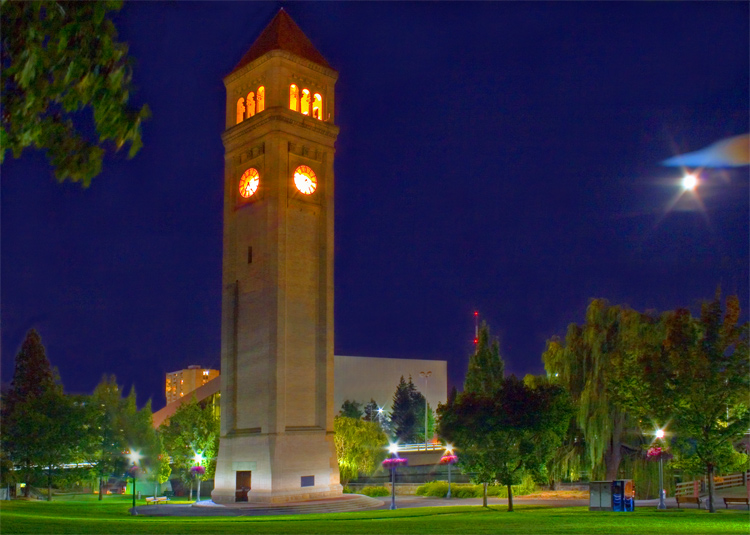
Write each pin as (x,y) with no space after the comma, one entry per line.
(656,453)
(133,471)
(393,462)
(448,459)
(197,470)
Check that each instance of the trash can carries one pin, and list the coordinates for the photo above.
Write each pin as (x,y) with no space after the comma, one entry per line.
(618,495)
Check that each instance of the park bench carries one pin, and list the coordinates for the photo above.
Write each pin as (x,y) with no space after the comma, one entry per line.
(156,500)
(745,501)
(688,499)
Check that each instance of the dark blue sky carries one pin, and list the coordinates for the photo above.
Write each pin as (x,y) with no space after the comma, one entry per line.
(494,156)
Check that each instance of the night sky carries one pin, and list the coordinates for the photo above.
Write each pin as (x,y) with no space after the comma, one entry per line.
(500,157)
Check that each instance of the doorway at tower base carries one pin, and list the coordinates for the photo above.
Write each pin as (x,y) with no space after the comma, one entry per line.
(290,467)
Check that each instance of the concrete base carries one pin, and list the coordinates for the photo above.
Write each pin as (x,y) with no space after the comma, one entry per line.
(279,465)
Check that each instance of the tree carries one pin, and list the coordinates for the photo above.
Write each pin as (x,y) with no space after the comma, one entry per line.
(486,367)
(507,434)
(351,409)
(585,363)
(41,426)
(360,446)
(106,453)
(58,59)
(192,430)
(697,378)
(404,412)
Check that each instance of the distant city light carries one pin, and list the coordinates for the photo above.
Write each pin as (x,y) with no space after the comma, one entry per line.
(689,182)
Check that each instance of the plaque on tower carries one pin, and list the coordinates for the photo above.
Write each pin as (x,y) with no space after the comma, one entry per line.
(277,301)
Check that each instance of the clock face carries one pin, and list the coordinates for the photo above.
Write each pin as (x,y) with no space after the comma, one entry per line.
(305,180)
(249,182)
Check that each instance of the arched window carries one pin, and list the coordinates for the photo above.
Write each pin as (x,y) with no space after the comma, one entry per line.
(260,102)
(240,110)
(317,107)
(250,104)
(293,97)
(305,102)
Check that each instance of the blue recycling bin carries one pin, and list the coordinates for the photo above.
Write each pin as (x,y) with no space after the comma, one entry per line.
(623,495)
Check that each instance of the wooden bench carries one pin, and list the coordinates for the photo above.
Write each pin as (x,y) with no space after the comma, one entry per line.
(744,501)
(688,499)
(156,500)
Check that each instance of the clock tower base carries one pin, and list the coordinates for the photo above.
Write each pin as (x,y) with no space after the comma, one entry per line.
(292,467)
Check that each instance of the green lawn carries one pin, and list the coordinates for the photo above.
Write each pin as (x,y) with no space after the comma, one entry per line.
(84,515)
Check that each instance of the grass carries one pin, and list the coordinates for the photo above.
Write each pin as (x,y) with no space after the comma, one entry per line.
(80,515)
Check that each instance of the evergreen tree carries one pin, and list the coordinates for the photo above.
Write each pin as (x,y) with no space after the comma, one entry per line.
(486,367)
(403,415)
(41,426)
(370,411)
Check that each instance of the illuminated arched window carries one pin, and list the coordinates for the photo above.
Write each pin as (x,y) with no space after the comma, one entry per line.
(250,104)
(318,107)
(305,102)
(261,100)
(240,110)
(293,97)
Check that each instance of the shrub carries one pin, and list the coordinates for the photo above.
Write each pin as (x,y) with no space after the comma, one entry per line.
(439,489)
(347,490)
(375,491)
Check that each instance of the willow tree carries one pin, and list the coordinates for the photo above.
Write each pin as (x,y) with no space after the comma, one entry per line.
(360,446)
(586,363)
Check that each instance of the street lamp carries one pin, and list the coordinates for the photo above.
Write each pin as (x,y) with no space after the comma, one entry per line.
(392,462)
(449,459)
(198,470)
(426,376)
(134,456)
(660,436)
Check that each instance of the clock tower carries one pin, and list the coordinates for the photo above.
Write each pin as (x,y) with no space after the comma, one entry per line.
(277,283)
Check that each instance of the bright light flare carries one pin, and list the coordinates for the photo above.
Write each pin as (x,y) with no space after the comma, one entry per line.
(449,448)
(393,447)
(660,433)
(689,182)
(198,457)
(134,456)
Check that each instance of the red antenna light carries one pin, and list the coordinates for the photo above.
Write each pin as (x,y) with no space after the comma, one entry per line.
(476,340)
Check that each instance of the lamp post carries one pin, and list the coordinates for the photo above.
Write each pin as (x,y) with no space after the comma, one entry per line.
(448,459)
(392,462)
(426,376)
(660,436)
(198,471)
(134,456)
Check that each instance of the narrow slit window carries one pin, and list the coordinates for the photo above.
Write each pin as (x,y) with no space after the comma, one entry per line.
(318,107)
(240,110)
(250,104)
(260,101)
(293,97)
(305,102)
(250,255)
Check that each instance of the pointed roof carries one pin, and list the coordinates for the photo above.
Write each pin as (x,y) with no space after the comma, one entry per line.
(282,33)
